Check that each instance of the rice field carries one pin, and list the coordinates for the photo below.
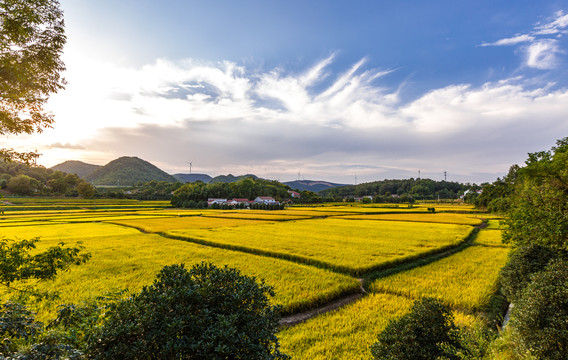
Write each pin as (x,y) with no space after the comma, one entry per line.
(310,255)
(467,279)
(343,245)
(344,334)
(441,218)
(125,258)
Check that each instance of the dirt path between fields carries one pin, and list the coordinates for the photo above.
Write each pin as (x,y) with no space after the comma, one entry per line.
(295,319)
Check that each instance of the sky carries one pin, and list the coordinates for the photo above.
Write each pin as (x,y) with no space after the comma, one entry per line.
(343,91)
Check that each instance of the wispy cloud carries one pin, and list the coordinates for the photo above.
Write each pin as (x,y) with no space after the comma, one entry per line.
(542,54)
(59,145)
(511,41)
(540,49)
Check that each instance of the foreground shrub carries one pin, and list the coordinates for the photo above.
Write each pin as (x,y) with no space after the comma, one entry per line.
(204,313)
(427,332)
(540,317)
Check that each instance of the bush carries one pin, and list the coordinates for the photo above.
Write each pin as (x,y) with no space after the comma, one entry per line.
(204,313)
(427,332)
(540,317)
(523,263)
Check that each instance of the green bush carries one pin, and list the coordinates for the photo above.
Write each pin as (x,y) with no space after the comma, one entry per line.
(523,263)
(540,317)
(427,332)
(204,313)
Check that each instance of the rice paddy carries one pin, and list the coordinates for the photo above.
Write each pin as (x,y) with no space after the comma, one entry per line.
(310,255)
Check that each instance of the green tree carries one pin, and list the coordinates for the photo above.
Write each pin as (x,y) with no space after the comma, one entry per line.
(540,202)
(204,313)
(523,263)
(427,332)
(23,185)
(31,44)
(86,190)
(19,261)
(541,315)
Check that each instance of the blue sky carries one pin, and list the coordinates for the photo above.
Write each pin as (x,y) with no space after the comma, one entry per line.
(330,89)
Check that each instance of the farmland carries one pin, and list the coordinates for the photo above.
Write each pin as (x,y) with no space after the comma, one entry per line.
(310,255)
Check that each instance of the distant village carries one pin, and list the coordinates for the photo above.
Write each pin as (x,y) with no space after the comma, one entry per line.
(246,203)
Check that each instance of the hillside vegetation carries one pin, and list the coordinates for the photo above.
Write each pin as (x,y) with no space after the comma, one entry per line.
(128,171)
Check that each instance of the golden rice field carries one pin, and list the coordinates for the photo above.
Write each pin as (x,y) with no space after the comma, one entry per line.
(344,245)
(125,258)
(467,279)
(310,256)
(442,218)
(346,333)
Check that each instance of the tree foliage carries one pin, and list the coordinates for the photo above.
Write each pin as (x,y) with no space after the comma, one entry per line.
(427,332)
(523,263)
(539,210)
(31,43)
(383,191)
(19,261)
(204,313)
(541,315)
(248,188)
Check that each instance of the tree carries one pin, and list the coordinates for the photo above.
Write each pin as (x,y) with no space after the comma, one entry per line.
(204,313)
(86,190)
(540,202)
(31,43)
(523,263)
(427,332)
(20,262)
(23,185)
(541,315)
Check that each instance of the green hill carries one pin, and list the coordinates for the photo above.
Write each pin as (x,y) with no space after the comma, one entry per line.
(230,178)
(311,185)
(76,167)
(128,171)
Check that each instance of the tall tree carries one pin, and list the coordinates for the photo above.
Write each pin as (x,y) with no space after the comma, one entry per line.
(540,201)
(31,44)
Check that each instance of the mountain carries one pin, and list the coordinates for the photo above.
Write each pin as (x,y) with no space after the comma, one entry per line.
(311,185)
(230,178)
(127,171)
(189,178)
(76,167)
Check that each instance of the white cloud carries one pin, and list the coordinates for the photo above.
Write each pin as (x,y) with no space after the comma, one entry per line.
(555,26)
(228,119)
(542,51)
(511,41)
(542,54)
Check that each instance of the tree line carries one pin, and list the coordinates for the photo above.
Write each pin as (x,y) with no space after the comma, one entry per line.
(396,191)
(22,179)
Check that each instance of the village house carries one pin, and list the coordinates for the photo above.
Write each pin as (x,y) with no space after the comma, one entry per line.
(294,194)
(266,200)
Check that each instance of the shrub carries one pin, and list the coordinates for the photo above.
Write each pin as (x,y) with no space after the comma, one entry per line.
(427,332)
(524,262)
(540,317)
(204,313)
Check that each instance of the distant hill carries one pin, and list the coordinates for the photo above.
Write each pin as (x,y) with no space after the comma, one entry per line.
(76,167)
(189,178)
(311,185)
(127,171)
(230,178)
